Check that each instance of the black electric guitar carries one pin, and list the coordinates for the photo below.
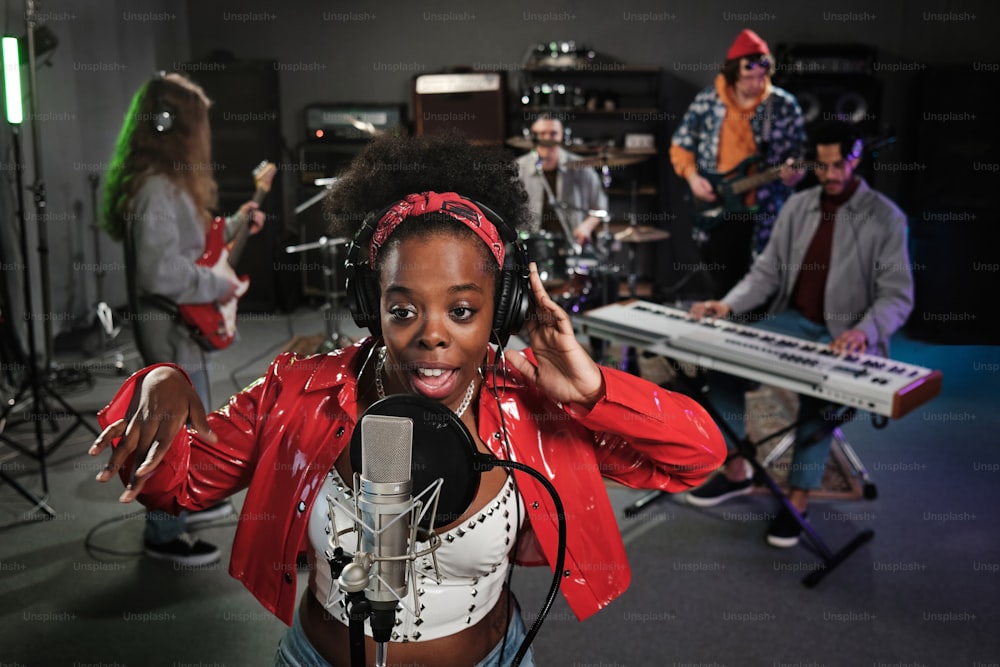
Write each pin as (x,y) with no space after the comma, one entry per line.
(731,187)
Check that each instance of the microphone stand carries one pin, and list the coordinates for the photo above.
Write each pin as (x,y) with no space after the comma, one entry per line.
(353,579)
(105,315)
(558,208)
(353,575)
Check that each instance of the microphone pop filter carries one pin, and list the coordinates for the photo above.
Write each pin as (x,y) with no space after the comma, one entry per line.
(442,448)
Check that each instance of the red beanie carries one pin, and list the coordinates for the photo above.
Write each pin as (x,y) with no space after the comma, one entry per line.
(747,43)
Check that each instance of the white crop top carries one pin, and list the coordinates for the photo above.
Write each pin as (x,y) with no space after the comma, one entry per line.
(473,559)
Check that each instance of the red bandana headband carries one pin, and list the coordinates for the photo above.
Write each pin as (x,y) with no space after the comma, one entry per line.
(449,203)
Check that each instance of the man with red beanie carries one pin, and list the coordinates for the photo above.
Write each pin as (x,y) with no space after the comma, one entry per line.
(741,115)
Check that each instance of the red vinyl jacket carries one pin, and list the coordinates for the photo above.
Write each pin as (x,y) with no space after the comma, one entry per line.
(279,437)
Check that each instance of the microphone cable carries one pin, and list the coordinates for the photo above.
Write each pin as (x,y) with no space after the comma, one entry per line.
(488,461)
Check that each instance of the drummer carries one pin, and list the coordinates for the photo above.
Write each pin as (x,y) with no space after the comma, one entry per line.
(543,171)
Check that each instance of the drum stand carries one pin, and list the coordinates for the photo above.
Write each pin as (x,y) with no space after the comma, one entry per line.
(327,246)
(331,320)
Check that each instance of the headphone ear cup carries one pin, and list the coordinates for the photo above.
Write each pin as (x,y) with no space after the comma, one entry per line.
(512,296)
(163,117)
(363,298)
(361,287)
(856,149)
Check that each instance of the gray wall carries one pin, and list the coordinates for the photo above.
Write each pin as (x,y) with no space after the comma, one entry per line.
(105,51)
(369,52)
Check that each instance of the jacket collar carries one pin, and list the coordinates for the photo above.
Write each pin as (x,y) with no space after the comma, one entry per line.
(338,368)
(728,95)
(852,204)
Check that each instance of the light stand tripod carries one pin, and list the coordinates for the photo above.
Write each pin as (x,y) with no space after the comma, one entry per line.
(36,380)
(32,380)
(38,187)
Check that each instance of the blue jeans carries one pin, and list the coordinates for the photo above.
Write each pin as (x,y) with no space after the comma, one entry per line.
(808,460)
(161,527)
(295,650)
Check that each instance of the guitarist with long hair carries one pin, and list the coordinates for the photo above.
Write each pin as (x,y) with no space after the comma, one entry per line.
(158,197)
(739,124)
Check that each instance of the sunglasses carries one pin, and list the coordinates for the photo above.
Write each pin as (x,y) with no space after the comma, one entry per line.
(753,62)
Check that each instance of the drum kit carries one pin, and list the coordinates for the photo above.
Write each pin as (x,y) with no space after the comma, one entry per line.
(578,277)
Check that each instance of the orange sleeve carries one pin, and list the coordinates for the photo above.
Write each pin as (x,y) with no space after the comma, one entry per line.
(683,161)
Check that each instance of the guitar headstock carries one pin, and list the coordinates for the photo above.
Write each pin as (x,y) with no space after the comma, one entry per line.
(263,175)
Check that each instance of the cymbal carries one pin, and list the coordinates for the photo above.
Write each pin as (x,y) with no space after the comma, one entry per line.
(526,144)
(641,234)
(616,159)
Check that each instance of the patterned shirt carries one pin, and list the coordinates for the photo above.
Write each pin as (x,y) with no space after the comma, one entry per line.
(699,132)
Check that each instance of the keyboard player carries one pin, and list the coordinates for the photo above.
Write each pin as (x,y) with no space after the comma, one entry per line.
(835,270)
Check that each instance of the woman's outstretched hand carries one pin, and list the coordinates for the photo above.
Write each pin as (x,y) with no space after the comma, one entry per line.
(162,403)
(565,371)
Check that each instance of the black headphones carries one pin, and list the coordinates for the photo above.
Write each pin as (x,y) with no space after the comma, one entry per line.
(510,303)
(163,114)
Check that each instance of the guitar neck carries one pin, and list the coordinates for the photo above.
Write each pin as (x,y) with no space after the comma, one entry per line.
(242,233)
(744,185)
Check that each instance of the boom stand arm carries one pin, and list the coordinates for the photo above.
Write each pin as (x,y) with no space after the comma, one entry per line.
(560,210)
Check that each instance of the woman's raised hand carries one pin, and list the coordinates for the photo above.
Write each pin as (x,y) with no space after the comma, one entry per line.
(565,371)
(162,403)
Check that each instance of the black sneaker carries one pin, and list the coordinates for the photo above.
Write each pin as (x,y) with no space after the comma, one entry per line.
(214,512)
(784,530)
(185,550)
(718,490)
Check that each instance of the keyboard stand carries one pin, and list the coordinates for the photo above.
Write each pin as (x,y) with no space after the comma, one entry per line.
(869,490)
(748,450)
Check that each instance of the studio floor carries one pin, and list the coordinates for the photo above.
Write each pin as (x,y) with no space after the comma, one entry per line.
(706,589)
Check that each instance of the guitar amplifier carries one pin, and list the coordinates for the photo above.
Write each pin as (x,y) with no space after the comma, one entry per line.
(332,123)
(833,82)
(474,103)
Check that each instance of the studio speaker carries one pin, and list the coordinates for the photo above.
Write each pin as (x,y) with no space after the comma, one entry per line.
(474,103)
(832,82)
(246,129)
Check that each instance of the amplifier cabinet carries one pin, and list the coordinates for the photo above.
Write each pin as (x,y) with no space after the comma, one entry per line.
(474,103)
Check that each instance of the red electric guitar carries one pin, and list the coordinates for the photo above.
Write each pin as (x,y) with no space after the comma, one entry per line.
(213,325)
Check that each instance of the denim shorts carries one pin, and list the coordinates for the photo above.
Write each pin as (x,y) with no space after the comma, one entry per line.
(295,650)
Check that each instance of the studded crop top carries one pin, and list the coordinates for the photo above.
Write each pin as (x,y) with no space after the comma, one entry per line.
(473,559)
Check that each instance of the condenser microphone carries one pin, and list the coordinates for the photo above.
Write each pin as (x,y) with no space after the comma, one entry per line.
(384,502)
